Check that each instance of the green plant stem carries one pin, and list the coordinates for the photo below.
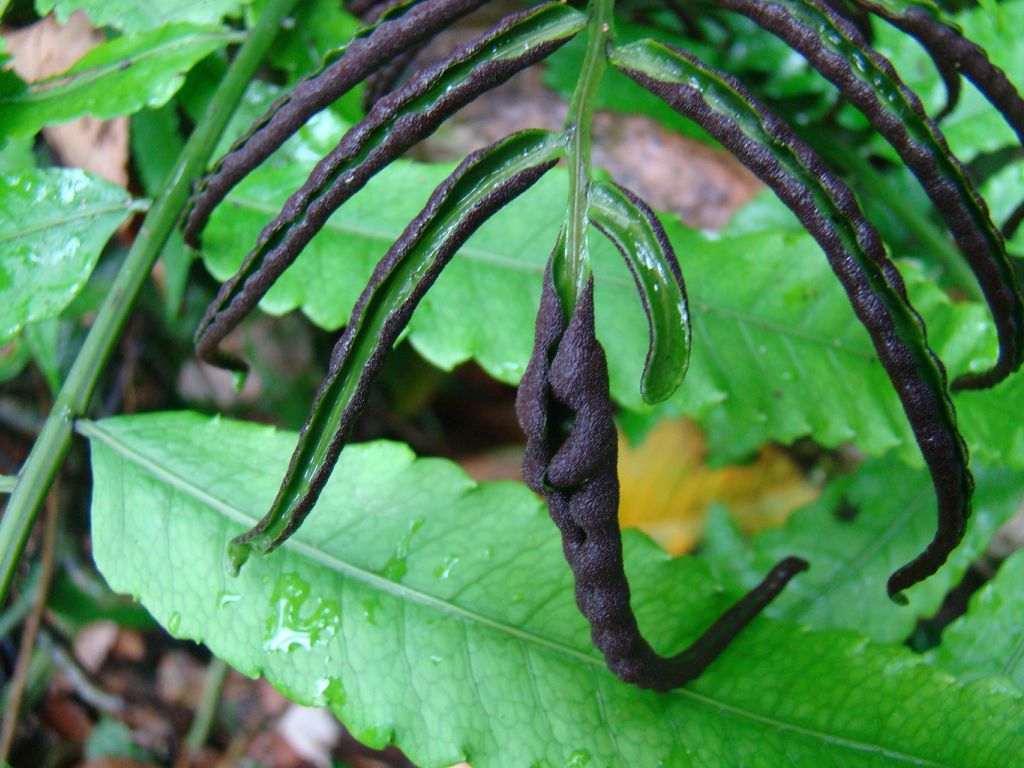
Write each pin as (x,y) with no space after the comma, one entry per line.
(572,271)
(7,483)
(73,399)
(199,730)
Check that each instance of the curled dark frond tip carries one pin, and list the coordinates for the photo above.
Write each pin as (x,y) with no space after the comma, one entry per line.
(564,408)
(968,382)
(218,358)
(787,568)
(897,596)
(901,580)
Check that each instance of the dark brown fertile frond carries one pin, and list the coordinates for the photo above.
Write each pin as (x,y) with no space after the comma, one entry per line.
(392,35)
(563,404)
(396,123)
(482,184)
(566,412)
(828,210)
(945,42)
(870,83)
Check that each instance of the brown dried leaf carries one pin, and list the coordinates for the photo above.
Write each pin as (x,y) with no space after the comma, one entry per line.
(48,48)
(93,644)
(66,717)
(179,679)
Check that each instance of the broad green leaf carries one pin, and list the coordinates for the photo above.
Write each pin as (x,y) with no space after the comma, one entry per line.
(1004,192)
(143,15)
(16,154)
(53,224)
(860,530)
(156,141)
(320,26)
(777,352)
(43,340)
(989,640)
(116,78)
(112,739)
(436,613)
(313,140)
(80,596)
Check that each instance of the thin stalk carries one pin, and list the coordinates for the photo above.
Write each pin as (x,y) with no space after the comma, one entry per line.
(30,631)
(15,614)
(7,483)
(202,723)
(73,399)
(571,272)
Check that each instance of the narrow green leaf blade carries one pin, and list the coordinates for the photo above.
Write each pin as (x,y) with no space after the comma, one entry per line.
(468,197)
(53,224)
(436,613)
(116,78)
(642,241)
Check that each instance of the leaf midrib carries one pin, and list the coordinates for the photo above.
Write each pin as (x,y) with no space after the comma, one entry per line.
(85,212)
(59,86)
(95,431)
(485,256)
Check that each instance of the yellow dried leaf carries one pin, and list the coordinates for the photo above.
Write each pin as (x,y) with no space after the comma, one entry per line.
(667,488)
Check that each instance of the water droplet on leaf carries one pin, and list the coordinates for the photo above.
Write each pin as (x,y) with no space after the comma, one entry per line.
(297,618)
